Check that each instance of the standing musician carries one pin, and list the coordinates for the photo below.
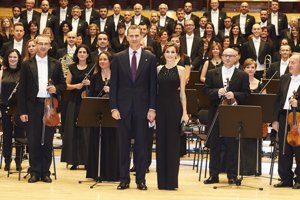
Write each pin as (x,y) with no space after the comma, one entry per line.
(33,89)
(288,84)
(215,88)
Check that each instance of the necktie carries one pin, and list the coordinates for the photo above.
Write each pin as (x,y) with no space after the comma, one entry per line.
(133,66)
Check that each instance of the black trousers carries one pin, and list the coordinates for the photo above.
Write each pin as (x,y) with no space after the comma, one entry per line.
(285,162)
(40,156)
(139,128)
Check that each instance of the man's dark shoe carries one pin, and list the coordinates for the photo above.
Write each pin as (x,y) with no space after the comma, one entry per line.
(123,186)
(33,179)
(232,181)
(211,180)
(6,167)
(283,184)
(47,179)
(142,186)
(132,169)
(296,186)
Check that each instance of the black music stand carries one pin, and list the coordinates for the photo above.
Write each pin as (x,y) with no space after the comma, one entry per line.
(204,102)
(194,78)
(95,112)
(273,86)
(244,123)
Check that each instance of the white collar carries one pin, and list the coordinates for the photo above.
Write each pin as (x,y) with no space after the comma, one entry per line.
(295,78)
(163,17)
(139,50)
(243,15)
(88,10)
(190,36)
(228,70)
(256,40)
(39,59)
(20,42)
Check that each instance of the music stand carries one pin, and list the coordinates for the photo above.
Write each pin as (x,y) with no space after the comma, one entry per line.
(204,102)
(244,123)
(273,86)
(194,78)
(95,112)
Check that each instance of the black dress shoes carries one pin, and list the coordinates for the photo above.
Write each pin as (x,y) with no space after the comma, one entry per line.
(6,167)
(296,186)
(18,167)
(33,179)
(47,179)
(232,181)
(74,167)
(211,180)
(283,184)
(142,186)
(123,186)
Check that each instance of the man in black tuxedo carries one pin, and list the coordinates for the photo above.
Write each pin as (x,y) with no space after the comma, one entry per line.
(278,19)
(271,28)
(18,41)
(280,66)
(165,22)
(103,23)
(29,14)
(46,19)
(138,17)
(89,14)
(216,89)
(79,26)
(287,33)
(115,18)
(63,12)
(202,24)
(16,15)
(257,49)
(191,44)
(289,83)
(244,20)
(132,101)
(33,89)
(216,16)
(227,27)
(180,16)
(188,8)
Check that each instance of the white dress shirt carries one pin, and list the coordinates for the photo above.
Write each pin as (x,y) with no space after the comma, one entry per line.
(227,31)
(243,23)
(71,50)
(227,74)
(16,20)
(256,42)
(187,16)
(42,68)
(264,24)
(215,20)
(127,25)
(75,23)
(43,21)
(294,85)
(138,56)
(283,66)
(102,24)
(201,30)
(274,21)
(189,44)
(29,15)
(162,21)
(180,22)
(62,14)
(116,21)
(18,45)
(137,19)
(88,13)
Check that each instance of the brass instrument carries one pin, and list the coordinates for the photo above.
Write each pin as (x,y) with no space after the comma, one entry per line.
(267,62)
(66,61)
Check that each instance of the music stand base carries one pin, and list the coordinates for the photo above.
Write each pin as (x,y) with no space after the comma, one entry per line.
(238,184)
(96,181)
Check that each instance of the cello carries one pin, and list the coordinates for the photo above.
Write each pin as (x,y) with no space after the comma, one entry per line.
(293,135)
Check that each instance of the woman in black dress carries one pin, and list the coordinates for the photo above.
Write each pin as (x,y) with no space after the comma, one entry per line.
(236,38)
(75,140)
(91,38)
(120,43)
(6,31)
(171,111)
(9,79)
(109,164)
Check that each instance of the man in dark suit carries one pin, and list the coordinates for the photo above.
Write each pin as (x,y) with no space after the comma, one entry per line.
(216,16)
(115,18)
(29,14)
(165,22)
(278,19)
(265,23)
(138,17)
(257,49)
(180,16)
(132,101)
(188,8)
(46,19)
(33,89)
(89,14)
(79,26)
(191,44)
(103,23)
(216,89)
(63,12)
(244,20)
(18,41)
(202,24)
(281,67)
(16,12)
(227,27)
(285,103)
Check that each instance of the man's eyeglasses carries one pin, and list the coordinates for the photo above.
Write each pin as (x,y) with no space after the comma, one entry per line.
(228,55)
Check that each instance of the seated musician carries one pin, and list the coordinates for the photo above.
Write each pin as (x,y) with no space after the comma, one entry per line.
(289,83)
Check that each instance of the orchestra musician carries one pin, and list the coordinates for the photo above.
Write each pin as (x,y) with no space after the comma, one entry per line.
(215,88)
(288,84)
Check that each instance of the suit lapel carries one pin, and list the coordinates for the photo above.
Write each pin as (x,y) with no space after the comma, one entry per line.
(50,68)
(219,77)
(261,48)
(252,47)
(33,68)
(286,88)
(127,64)
(143,61)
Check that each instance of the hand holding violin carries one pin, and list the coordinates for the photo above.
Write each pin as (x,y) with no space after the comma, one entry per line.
(51,89)
(221,91)
(86,82)
(229,95)
(293,102)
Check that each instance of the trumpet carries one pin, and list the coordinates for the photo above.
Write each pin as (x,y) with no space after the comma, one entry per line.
(66,61)
(267,63)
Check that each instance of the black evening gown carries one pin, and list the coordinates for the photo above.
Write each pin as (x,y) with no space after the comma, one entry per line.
(169,112)
(75,139)
(109,170)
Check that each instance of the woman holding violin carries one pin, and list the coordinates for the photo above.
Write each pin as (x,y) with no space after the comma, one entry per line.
(109,164)
(75,140)
(9,83)
(287,100)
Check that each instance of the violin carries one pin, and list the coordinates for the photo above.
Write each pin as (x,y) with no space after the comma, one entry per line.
(293,136)
(85,92)
(228,101)
(51,117)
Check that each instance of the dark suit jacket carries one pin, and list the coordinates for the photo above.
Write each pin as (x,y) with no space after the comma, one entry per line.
(56,12)
(248,51)
(196,20)
(29,86)
(282,21)
(169,25)
(108,28)
(52,22)
(239,85)
(94,15)
(250,20)
(222,16)
(82,26)
(111,20)
(197,49)
(275,66)
(156,47)
(143,19)
(117,46)
(35,15)
(10,45)
(87,41)
(282,95)
(133,97)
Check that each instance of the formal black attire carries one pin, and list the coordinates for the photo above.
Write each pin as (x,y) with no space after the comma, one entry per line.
(82,26)
(109,164)
(169,25)
(285,162)
(294,47)
(282,22)
(250,20)
(23,16)
(28,104)
(221,17)
(211,65)
(275,66)
(91,44)
(117,46)
(143,20)
(239,85)
(133,98)
(108,27)
(196,50)
(4,39)
(114,25)
(196,20)
(169,112)
(56,12)
(94,15)
(10,45)
(52,22)
(10,78)
(75,140)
